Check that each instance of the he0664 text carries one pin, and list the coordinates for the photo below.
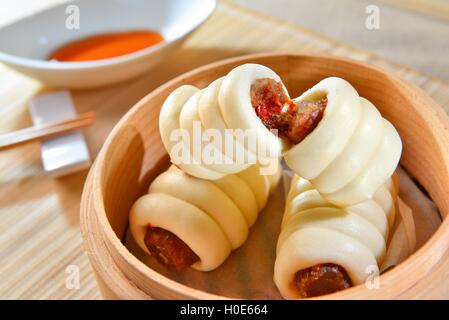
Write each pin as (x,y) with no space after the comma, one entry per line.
(244,309)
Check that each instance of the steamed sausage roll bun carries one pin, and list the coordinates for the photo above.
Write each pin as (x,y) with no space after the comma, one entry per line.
(323,249)
(176,137)
(352,151)
(329,135)
(241,89)
(186,221)
(190,115)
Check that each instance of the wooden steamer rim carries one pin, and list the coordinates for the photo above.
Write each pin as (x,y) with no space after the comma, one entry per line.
(423,128)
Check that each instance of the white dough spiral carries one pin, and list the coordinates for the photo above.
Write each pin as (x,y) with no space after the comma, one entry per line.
(352,151)
(222,105)
(315,232)
(211,217)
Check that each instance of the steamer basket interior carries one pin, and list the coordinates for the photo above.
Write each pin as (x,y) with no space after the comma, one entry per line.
(134,155)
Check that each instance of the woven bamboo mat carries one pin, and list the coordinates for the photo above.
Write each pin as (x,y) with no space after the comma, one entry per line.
(39,234)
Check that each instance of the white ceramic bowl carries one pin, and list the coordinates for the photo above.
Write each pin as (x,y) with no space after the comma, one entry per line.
(25,44)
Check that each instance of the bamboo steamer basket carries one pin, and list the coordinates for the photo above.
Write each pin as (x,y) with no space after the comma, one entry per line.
(133,155)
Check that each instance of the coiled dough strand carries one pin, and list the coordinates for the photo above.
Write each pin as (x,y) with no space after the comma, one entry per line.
(211,217)
(314,231)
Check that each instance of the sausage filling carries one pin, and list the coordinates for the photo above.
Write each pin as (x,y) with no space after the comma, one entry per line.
(168,249)
(321,279)
(277,111)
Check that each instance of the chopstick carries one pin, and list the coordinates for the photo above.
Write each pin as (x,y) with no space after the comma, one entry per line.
(45,131)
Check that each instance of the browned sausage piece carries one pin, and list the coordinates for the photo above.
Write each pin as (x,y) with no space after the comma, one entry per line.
(168,249)
(321,279)
(278,111)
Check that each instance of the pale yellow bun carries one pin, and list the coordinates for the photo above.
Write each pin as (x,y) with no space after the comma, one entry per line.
(169,125)
(352,151)
(206,196)
(345,222)
(211,119)
(203,116)
(315,245)
(192,225)
(373,212)
(356,153)
(259,184)
(235,105)
(341,116)
(242,195)
(195,209)
(380,167)
(314,231)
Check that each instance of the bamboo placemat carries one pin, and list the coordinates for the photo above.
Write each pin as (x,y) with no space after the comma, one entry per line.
(39,234)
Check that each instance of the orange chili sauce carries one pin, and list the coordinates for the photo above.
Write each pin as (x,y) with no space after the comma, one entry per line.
(104,46)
